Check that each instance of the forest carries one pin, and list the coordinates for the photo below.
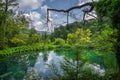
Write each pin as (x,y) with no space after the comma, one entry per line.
(94,41)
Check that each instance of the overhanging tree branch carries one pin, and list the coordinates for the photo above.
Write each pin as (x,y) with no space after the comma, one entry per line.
(72,8)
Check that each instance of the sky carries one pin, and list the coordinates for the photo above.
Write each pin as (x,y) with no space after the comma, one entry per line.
(36,10)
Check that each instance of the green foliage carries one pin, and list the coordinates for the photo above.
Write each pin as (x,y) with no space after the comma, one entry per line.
(35,38)
(93,36)
(104,40)
(66,46)
(109,8)
(71,38)
(20,39)
(3,43)
(79,37)
(4,16)
(63,31)
(18,50)
(59,41)
(32,31)
(3,40)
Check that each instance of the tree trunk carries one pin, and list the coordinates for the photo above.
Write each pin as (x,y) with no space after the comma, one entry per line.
(5,12)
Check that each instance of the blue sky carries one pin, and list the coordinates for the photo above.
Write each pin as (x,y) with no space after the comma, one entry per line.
(36,11)
(60,4)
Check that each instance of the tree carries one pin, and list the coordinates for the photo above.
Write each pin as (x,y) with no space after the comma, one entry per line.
(59,41)
(103,40)
(35,38)
(20,39)
(111,9)
(60,32)
(2,38)
(6,9)
(5,13)
(79,37)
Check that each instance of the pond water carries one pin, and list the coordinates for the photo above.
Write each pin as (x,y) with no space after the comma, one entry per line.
(41,65)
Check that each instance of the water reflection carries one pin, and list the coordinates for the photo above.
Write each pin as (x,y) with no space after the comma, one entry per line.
(41,66)
(51,68)
(17,65)
(46,68)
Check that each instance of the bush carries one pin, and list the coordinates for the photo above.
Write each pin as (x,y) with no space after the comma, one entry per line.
(59,41)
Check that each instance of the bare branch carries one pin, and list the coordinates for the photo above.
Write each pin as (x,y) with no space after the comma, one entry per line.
(81,6)
(90,4)
(72,8)
(75,7)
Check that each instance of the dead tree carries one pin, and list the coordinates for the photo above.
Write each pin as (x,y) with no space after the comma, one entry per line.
(86,11)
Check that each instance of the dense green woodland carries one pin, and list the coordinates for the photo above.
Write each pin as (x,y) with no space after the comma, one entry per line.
(101,34)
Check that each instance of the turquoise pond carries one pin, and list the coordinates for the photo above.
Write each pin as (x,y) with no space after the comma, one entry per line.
(37,64)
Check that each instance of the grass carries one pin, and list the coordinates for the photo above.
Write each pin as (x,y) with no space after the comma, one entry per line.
(37,47)
(18,50)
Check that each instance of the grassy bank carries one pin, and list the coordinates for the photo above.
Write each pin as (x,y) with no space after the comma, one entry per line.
(38,47)
(19,50)
(42,47)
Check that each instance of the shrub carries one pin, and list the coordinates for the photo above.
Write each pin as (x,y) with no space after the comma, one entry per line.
(59,41)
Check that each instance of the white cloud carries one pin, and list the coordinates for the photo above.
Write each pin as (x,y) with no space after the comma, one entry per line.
(30,4)
(83,1)
(37,22)
(38,25)
(87,17)
(93,13)
(35,17)
(29,8)
(44,8)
